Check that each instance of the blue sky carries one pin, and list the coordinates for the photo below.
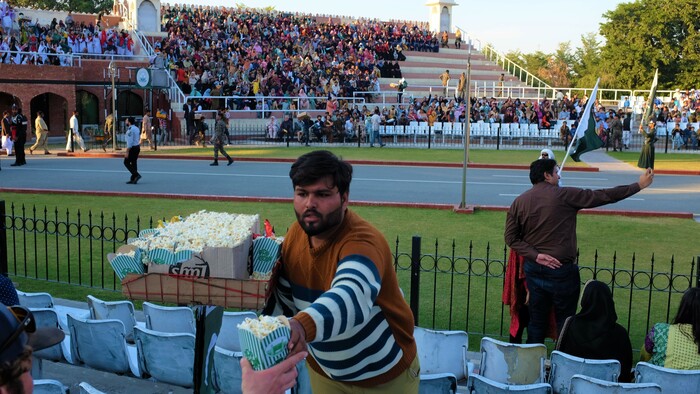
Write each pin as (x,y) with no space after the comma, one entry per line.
(507,24)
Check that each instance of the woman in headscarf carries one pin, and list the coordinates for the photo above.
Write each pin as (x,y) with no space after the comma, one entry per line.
(594,332)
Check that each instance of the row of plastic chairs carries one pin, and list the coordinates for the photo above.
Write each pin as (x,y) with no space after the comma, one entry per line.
(444,130)
(109,338)
(522,367)
(667,128)
(51,386)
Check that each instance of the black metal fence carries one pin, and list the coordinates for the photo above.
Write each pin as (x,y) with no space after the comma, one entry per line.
(441,135)
(445,290)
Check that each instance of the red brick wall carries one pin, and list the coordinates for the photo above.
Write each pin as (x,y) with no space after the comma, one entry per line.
(25,82)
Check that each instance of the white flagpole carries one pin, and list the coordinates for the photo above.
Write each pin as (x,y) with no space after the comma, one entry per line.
(582,124)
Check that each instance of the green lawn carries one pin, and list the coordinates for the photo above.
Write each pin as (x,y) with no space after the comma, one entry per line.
(664,161)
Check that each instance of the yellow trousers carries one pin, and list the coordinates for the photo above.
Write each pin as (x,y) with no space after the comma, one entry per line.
(42,142)
(406,383)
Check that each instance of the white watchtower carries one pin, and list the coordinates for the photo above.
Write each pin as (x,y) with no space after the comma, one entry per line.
(440,18)
(143,15)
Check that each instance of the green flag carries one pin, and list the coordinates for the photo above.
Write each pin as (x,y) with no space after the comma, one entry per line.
(586,137)
(650,102)
(589,141)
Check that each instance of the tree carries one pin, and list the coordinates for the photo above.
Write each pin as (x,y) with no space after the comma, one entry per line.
(559,66)
(587,64)
(86,6)
(649,34)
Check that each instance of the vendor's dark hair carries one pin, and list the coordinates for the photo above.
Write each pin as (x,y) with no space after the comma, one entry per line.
(540,167)
(689,313)
(312,166)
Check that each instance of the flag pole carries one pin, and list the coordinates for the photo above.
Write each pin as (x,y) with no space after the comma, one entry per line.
(571,144)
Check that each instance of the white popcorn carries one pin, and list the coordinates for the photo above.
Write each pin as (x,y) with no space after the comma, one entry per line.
(263,325)
(200,229)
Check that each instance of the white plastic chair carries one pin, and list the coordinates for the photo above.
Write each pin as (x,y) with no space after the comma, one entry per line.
(35,300)
(581,384)
(173,319)
(120,310)
(49,386)
(512,363)
(443,359)
(534,130)
(672,381)
(228,334)
(422,131)
(481,385)
(227,370)
(167,357)
(101,344)
(564,366)
(86,388)
(47,317)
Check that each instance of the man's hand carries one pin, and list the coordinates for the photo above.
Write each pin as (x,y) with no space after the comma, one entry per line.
(548,261)
(297,339)
(126,153)
(646,178)
(273,380)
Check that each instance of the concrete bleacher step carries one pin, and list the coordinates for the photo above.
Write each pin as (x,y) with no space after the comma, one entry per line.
(430,67)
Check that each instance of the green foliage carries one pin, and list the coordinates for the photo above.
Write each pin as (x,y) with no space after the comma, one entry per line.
(634,39)
(648,34)
(86,6)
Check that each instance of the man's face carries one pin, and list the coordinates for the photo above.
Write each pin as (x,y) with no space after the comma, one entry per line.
(25,378)
(553,178)
(319,206)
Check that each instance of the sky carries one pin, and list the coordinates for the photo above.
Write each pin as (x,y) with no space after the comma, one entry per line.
(528,26)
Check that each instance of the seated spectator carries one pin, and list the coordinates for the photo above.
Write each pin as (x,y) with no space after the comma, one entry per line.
(272,128)
(8,293)
(594,332)
(677,345)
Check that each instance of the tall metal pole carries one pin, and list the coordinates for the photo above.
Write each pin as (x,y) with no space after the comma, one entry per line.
(115,118)
(467,127)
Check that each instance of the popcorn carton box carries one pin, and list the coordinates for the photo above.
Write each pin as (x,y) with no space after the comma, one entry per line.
(264,340)
(211,262)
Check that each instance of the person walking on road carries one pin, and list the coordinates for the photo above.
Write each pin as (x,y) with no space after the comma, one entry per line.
(133,148)
(218,140)
(146,132)
(42,134)
(74,135)
(541,227)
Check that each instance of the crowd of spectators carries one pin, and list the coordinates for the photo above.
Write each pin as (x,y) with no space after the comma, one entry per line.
(252,53)
(23,41)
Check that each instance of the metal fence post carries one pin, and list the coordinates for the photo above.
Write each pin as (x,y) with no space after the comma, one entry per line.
(3,240)
(697,272)
(430,130)
(415,277)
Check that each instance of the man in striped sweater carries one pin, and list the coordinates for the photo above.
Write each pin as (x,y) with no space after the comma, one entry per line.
(339,284)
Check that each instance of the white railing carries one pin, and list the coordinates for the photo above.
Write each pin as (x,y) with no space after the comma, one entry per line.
(265,108)
(10,57)
(73,59)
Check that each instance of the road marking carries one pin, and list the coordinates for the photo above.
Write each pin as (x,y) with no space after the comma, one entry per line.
(509,195)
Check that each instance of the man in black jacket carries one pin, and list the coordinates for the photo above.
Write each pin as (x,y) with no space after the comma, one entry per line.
(19,135)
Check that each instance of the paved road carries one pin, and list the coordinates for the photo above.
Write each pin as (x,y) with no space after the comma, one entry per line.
(672,193)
